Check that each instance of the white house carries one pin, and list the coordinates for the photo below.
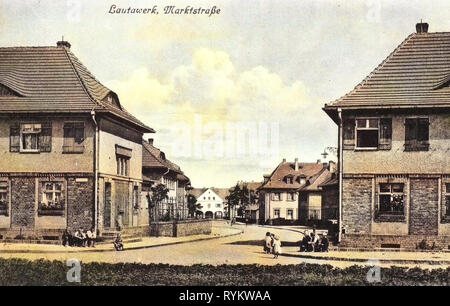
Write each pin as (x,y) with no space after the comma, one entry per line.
(213,205)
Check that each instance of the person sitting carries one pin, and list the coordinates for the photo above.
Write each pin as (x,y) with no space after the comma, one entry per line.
(312,242)
(66,238)
(90,238)
(118,244)
(324,244)
(78,238)
(304,244)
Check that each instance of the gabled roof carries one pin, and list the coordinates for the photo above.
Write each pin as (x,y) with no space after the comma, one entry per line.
(416,73)
(153,157)
(308,170)
(52,79)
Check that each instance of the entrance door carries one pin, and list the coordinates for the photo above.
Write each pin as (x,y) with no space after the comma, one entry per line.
(122,201)
(107,209)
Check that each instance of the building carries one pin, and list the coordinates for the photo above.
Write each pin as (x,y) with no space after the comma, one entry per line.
(71,155)
(393,146)
(157,169)
(212,201)
(292,193)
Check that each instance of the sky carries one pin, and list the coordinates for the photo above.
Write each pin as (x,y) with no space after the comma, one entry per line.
(232,94)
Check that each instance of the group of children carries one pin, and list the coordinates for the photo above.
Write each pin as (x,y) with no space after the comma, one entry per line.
(314,243)
(272,244)
(81,238)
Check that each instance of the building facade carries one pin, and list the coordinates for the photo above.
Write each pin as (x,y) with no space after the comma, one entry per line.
(157,169)
(394,141)
(71,155)
(212,202)
(292,192)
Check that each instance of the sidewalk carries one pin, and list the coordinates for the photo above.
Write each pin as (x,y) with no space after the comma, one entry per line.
(428,258)
(146,242)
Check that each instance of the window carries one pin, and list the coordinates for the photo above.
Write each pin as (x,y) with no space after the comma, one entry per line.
(289,179)
(290,214)
(391,201)
(416,134)
(276,213)
(218,205)
(30,137)
(446,208)
(51,198)
(291,196)
(209,205)
(136,197)
(4,198)
(214,198)
(73,137)
(276,196)
(367,133)
(122,165)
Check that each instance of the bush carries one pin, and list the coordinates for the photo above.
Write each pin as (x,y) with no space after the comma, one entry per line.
(42,272)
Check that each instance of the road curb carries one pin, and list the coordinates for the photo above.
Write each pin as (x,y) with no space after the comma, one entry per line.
(365,260)
(112,250)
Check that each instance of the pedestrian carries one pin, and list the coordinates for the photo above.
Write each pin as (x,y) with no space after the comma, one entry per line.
(268,243)
(118,243)
(276,246)
(90,237)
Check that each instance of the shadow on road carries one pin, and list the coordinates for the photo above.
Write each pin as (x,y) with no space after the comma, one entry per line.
(261,243)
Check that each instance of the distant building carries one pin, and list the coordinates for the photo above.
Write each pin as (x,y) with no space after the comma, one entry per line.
(157,169)
(251,211)
(212,201)
(293,192)
(394,141)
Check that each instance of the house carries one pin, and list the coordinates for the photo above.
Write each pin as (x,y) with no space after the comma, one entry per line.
(157,169)
(212,201)
(71,155)
(292,193)
(394,139)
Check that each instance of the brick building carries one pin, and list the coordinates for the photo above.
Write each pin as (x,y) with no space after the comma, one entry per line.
(157,169)
(63,135)
(394,141)
(293,192)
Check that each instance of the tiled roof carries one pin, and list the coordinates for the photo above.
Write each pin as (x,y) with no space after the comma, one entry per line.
(153,157)
(52,79)
(308,170)
(416,73)
(332,181)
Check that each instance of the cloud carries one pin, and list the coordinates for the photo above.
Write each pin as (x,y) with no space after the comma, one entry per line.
(211,93)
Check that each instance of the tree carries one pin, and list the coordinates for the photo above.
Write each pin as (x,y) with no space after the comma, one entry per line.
(159,193)
(193,206)
(233,199)
(241,198)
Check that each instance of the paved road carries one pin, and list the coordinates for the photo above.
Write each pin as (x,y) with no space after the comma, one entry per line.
(241,249)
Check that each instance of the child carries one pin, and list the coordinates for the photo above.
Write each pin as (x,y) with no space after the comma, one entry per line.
(118,244)
(268,243)
(276,246)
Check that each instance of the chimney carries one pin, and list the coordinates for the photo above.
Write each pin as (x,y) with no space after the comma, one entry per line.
(150,141)
(63,43)
(284,160)
(266,178)
(422,27)
(296,164)
(332,167)
(319,161)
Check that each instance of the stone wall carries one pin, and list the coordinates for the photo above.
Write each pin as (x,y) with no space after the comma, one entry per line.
(181,228)
(80,204)
(407,242)
(424,211)
(23,193)
(356,205)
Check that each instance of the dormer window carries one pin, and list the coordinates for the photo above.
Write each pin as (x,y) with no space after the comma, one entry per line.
(289,179)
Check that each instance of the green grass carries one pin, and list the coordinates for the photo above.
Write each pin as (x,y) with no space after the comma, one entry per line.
(42,272)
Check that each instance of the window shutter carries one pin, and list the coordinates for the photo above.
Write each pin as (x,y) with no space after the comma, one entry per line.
(423,129)
(45,138)
(349,134)
(14,138)
(385,134)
